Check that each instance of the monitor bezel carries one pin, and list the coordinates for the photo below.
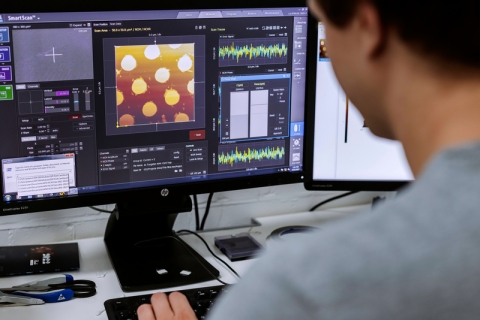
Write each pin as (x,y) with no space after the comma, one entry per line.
(330,185)
(92,199)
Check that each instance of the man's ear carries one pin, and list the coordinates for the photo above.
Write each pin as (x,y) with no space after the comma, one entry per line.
(371,30)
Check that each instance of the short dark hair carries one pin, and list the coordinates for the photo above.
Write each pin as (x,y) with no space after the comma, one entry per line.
(449,30)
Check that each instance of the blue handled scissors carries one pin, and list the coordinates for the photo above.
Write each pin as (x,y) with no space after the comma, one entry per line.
(60,288)
(47,296)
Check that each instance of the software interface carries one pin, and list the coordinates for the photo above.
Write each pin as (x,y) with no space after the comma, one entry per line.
(344,147)
(103,101)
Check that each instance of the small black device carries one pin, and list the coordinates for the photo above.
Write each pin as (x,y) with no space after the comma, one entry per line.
(237,247)
(31,259)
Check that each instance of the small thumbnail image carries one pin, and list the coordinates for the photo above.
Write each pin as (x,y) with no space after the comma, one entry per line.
(155,84)
(323,49)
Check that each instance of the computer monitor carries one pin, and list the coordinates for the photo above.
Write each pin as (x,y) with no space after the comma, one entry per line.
(342,153)
(146,103)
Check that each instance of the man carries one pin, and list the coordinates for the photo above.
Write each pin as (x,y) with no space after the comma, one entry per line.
(413,70)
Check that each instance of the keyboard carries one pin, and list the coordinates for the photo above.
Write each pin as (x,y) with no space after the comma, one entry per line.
(200,299)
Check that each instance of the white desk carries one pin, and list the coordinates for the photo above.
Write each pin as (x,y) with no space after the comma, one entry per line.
(95,265)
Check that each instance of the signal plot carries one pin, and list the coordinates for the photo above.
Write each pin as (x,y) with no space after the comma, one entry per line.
(251,155)
(258,51)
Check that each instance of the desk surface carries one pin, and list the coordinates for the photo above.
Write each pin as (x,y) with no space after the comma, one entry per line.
(95,265)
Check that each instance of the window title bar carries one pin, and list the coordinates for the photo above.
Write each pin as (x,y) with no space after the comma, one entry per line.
(148,15)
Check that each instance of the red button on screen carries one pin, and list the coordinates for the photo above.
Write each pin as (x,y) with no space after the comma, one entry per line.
(197,135)
(74,117)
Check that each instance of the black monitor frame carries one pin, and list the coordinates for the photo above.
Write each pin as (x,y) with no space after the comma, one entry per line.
(329,185)
(174,190)
(143,218)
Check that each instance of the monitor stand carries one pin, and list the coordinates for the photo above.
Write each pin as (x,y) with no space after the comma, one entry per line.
(145,252)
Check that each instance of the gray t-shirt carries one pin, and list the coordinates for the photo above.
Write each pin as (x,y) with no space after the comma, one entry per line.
(417,257)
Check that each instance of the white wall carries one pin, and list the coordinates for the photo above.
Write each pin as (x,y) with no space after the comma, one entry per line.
(228,209)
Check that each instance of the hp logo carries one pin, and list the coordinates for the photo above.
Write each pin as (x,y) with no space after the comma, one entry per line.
(164,192)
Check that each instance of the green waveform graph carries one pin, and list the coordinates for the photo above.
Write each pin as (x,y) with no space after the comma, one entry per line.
(258,51)
(251,155)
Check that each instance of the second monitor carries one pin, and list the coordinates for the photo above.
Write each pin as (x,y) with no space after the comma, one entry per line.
(342,152)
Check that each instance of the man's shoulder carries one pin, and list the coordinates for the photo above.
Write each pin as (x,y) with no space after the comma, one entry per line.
(436,215)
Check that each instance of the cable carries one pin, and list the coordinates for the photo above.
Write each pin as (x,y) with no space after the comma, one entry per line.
(204,219)
(193,255)
(332,199)
(197,216)
(213,254)
(208,270)
(101,210)
(210,250)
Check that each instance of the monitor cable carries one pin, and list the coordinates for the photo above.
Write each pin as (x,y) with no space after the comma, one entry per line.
(212,253)
(197,216)
(207,210)
(101,210)
(332,199)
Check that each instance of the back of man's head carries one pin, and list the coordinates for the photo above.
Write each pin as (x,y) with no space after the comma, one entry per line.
(449,30)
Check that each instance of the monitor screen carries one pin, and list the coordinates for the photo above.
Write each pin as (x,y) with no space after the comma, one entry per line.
(96,106)
(345,155)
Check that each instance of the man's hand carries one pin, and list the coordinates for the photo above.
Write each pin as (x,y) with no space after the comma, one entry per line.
(163,307)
